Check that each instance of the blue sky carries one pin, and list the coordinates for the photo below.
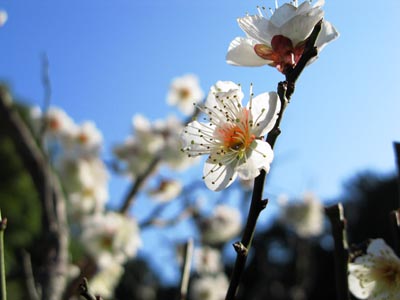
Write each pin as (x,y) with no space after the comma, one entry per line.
(112,59)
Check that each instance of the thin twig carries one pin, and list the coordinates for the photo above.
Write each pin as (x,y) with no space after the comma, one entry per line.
(187,262)
(29,279)
(395,224)
(3,226)
(285,91)
(84,291)
(47,95)
(135,188)
(338,223)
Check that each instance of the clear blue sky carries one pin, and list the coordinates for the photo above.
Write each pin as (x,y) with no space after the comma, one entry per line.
(112,59)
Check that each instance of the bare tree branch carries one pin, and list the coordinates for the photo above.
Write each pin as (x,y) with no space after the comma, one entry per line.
(54,236)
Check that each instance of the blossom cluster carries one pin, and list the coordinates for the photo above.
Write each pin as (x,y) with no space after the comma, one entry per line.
(107,237)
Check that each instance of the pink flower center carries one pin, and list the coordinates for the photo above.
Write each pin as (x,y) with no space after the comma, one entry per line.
(237,136)
(282,53)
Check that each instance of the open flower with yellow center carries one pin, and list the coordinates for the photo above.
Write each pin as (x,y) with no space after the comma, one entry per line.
(232,135)
(280,40)
(375,275)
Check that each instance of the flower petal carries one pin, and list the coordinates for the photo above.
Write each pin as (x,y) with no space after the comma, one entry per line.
(257,28)
(379,248)
(328,33)
(241,53)
(284,13)
(264,109)
(361,290)
(260,157)
(301,26)
(196,137)
(218,177)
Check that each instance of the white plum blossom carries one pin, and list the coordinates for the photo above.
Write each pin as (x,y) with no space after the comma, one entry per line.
(170,131)
(56,122)
(223,225)
(105,281)
(184,92)
(86,184)
(139,150)
(232,136)
(166,190)
(207,260)
(159,140)
(305,216)
(110,236)
(375,275)
(279,41)
(209,287)
(85,140)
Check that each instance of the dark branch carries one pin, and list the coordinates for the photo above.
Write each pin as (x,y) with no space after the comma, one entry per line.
(341,252)
(285,90)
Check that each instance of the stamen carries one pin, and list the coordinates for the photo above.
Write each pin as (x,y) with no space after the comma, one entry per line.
(251,96)
(259,11)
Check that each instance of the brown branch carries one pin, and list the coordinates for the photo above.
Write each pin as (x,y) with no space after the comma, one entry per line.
(341,252)
(135,188)
(285,90)
(54,235)
(28,274)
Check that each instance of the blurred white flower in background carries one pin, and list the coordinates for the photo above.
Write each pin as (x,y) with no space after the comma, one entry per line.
(166,190)
(170,130)
(158,140)
(305,216)
(110,236)
(85,140)
(3,17)
(105,281)
(375,275)
(57,123)
(209,287)
(207,260)
(184,92)
(223,225)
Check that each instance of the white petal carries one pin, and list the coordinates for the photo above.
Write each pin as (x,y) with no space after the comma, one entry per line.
(257,28)
(260,157)
(194,139)
(248,170)
(218,177)
(241,53)
(301,26)
(284,13)
(355,287)
(378,247)
(264,110)
(328,33)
